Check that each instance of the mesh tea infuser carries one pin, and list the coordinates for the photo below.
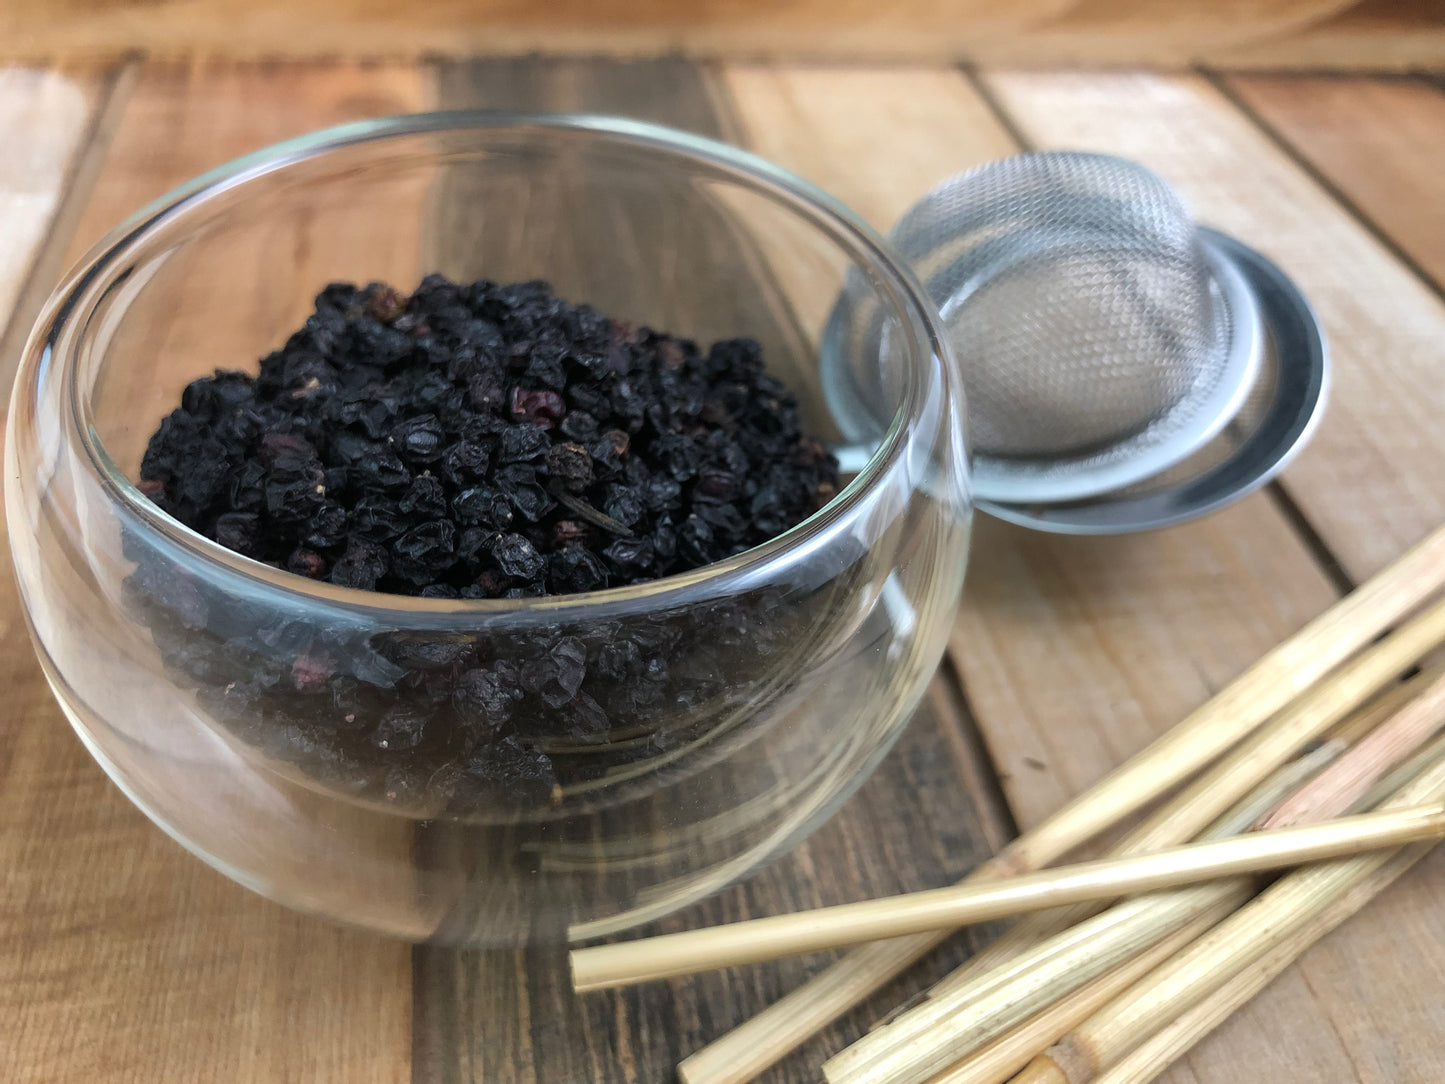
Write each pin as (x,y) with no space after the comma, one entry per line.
(1124,368)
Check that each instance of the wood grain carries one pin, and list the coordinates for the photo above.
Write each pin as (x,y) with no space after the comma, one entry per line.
(122,958)
(456,29)
(1338,33)
(1126,32)
(1368,485)
(1372,35)
(925,817)
(49,115)
(867,135)
(1379,142)
(184,118)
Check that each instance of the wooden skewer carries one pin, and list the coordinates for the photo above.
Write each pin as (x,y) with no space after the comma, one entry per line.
(1269,686)
(1377,752)
(1033,929)
(1257,929)
(760,939)
(1316,710)
(1374,713)
(1009,1053)
(1160,1050)
(946,1029)
(1246,703)
(1406,772)
(971,983)
(958,1019)
(1181,817)
(1305,719)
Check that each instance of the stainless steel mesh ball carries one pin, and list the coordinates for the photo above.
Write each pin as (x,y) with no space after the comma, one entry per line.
(1100,342)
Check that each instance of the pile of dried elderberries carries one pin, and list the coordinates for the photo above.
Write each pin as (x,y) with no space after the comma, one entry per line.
(474,442)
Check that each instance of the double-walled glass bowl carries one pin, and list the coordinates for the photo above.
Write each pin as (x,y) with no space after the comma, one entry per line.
(244,709)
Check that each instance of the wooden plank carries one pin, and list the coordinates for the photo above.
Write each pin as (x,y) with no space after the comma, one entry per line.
(923,818)
(1126,32)
(122,958)
(497,27)
(1339,33)
(185,118)
(1368,485)
(49,113)
(1369,35)
(1372,35)
(1379,142)
(876,163)
(1077,653)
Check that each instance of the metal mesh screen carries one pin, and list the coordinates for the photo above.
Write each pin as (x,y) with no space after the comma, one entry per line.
(1076,297)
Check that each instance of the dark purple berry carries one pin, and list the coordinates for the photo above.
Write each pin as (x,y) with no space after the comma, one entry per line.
(518,557)
(574,569)
(425,552)
(386,304)
(542,408)
(484,701)
(285,452)
(327,527)
(579,426)
(403,727)
(239,531)
(306,563)
(419,439)
(426,499)
(465,462)
(360,566)
(523,443)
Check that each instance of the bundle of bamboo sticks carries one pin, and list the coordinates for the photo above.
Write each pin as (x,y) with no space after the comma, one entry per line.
(1326,755)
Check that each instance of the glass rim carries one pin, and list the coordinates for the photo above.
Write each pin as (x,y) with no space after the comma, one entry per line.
(79,294)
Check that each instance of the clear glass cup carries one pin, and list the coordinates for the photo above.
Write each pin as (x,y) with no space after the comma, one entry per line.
(245,709)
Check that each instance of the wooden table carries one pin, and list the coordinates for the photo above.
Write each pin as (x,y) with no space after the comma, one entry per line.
(124,959)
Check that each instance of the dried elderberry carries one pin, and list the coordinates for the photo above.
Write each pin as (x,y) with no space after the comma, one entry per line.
(474,442)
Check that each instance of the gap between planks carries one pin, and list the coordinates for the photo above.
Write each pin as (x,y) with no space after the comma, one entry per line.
(1376,145)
